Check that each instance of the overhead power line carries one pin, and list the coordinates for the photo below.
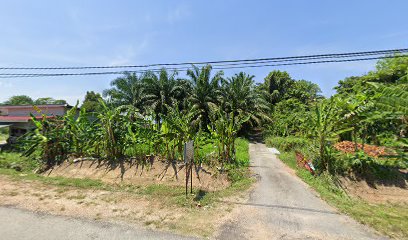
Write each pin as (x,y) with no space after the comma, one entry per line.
(275,59)
(19,75)
(230,64)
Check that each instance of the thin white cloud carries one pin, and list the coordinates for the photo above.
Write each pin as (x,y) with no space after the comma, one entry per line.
(179,13)
(129,54)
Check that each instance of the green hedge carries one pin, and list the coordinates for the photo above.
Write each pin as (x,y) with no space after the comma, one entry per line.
(285,144)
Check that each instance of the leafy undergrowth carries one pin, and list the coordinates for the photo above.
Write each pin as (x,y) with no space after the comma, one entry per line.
(12,160)
(389,219)
(3,134)
(3,137)
(242,152)
(286,143)
(21,168)
(183,214)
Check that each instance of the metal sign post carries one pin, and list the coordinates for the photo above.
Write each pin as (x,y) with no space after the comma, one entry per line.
(188,161)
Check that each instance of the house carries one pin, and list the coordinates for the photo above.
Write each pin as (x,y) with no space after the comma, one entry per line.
(17,117)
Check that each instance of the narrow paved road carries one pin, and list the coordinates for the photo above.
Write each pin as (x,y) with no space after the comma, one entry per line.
(16,224)
(282,207)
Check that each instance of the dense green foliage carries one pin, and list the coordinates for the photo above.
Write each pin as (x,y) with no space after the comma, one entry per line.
(10,160)
(92,102)
(48,100)
(369,109)
(4,133)
(153,115)
(287,143)
(19,100)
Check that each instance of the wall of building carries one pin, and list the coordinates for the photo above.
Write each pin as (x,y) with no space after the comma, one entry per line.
(26,110)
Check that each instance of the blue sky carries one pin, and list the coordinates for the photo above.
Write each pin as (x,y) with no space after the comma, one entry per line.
(79,33)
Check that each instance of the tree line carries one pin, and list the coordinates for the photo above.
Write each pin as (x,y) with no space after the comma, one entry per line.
(368,109)
(27,100)
(154,114)
(209,107)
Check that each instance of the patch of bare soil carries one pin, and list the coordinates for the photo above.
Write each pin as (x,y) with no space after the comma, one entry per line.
(173,174)
(390,191)
(123,207)
(371,150)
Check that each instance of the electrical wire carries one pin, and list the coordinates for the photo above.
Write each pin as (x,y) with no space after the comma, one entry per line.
(230,62)
(27,75)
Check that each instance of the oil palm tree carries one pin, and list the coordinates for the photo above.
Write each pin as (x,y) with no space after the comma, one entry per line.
(162,91)
(126,90)
(240,97)
(276,85)
(205,91)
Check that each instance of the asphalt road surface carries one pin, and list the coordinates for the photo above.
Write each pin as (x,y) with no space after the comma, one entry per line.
(16,224)
(283,207)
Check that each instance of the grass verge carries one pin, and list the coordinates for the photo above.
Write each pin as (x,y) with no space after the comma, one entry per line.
(160,197)
(389,219)
(21,168)
(12,160)
(170,195)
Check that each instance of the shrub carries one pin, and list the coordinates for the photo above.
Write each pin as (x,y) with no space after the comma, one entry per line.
(237,174)
(242,152)
(286,144)
(4,134)
(17,162)
(358,162)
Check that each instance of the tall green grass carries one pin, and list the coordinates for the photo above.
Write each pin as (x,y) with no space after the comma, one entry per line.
(287,143)
(13,160)
(238,173)
(208,152)
(242,152)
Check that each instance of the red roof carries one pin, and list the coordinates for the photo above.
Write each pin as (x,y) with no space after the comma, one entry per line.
(19,118)
(39,106)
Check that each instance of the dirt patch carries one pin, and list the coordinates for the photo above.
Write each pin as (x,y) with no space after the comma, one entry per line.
(114,206)
(371,150)
(172,174)
(369,191)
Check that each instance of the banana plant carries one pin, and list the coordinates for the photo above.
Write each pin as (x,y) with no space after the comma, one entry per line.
(169,136)
(48,139)
(112,129)
(224,129)
(182,125)
(325,127)
(77,128)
